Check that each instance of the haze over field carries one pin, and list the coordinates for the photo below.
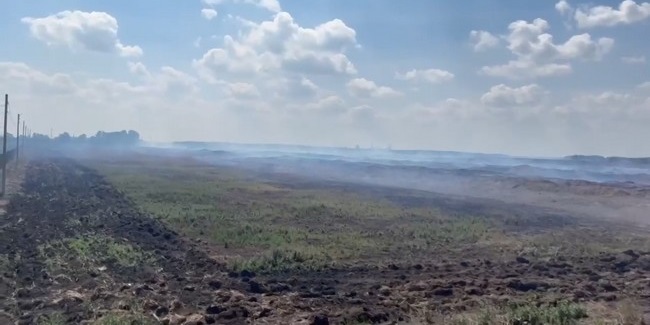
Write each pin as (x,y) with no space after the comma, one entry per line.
(541,78)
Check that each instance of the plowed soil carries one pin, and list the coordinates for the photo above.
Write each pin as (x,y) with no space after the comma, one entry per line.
(180,284)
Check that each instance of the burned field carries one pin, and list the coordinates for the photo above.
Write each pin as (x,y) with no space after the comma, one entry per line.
(177,241)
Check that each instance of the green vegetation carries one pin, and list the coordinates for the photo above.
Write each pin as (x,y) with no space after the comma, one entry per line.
(6,264)
(273,227)
(582,242)
(560,314)
(92,250)
(53,319)
(124,319)
(282,260)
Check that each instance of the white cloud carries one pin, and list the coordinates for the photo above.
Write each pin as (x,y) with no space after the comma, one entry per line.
(483,40)
(628,12)
(92,31)
(165,106)
(526,69)
(634,59)
(20,75)
(271,5)
(563,7)
(363,88)
(138,68)
(330,105)
(539,56)
(299,88)
(430,75)
(529,40)
(309,62)
(208,13)
(152,104)
(281,44)
(243,90)
(283,33)
(502,95)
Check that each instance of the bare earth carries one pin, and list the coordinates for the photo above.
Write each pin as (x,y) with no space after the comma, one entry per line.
(146,240)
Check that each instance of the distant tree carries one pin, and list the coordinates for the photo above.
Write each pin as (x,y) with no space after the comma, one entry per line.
(63,138)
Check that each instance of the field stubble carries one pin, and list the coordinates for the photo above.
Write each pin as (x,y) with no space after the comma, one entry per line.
(554,272)
(234,246)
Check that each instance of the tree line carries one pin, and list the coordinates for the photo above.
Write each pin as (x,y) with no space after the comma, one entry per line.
(101,138)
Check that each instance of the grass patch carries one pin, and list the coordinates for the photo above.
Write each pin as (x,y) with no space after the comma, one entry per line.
(560,314)
(92,250)
(252,216)
(52,319)
(443,233)
(581,243)
(6,264)
(281,261)
(630,314)
(124,319)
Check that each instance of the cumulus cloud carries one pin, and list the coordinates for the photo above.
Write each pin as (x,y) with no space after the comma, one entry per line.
(482,40)
(364,88)
(243,90)
(281,44)
(502,95)
(318,63)
(208,13)
(530,40)
(495,120)
(18,74)
(538,55)
(330,105)
(151,104)
(526,69)
(628,12)
(138,68)
(430,75)
(92,31)
(299,88)
(563,7)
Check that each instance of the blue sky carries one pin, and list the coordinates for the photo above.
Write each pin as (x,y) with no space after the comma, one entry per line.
(517,77)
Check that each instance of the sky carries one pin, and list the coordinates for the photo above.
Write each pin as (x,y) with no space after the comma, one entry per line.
(534,78)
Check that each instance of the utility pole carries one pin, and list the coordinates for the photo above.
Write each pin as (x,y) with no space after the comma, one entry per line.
(17,140)
(24,138)
(4,148)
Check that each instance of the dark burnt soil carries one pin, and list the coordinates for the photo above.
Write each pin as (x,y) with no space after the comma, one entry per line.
(182,285)
(58,191)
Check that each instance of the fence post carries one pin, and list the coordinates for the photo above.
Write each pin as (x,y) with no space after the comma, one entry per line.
(18,141)
(4,149)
